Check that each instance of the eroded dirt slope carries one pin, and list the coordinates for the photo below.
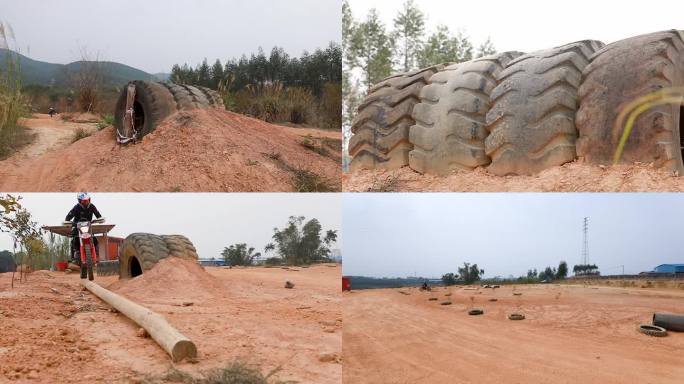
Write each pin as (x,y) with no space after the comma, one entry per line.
(203,150)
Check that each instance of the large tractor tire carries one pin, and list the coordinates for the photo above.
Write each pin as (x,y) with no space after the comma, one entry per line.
(450,127)
(180,246)
(381,127)
(531,122)
(619,74)
(141,251)
(156,101)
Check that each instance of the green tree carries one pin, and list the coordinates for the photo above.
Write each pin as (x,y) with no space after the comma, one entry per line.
(443,47)
(203,74)
(371,49)
(486,49)
(470,273)
(547,274)
(302,243)
(348,28)
(239,254)
(562,271)
(409,26)
(449,279)
(216,74)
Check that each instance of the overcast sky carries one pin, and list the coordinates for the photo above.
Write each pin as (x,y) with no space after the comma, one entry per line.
(529,25)
(398,235)
(211,221)
(152,35)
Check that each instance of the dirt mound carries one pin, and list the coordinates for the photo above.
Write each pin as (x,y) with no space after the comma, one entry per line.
(201,150)
(171,278)
(571,177)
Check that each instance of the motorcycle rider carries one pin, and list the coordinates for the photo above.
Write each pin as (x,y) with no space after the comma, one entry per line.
(82,211)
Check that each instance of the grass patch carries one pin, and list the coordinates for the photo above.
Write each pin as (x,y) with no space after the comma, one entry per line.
(388,184)
(12,101)
(251,162)
(80,133)
(306,181)
(106,121)
(310,144)
(235,373)
(22,138)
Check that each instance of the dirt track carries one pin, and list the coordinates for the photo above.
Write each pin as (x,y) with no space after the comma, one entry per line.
(51,134)
(236,314)
(572,334)
(203,150)
(572,177)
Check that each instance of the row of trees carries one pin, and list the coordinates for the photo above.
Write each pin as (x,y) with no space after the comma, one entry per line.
(298,243)
(375,51)
(310,71)
(467,274)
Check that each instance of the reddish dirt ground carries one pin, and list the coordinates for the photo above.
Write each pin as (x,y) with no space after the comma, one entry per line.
(203,150)
(572,177)
(571,334)
(240,314)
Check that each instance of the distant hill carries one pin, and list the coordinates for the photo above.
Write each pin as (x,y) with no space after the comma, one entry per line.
(43,73)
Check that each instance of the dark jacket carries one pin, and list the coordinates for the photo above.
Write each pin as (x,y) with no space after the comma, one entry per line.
(78,213)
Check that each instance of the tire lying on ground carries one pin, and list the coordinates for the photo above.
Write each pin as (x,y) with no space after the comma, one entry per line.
(450,129)
(155,101)
(652,330)
(620,73)
(140,252)
(531,122)
(381,127)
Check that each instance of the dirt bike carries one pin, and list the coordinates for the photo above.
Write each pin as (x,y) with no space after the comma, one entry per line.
(88,254)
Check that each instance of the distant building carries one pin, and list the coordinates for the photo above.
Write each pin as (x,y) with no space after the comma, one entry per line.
(212,262)
(669,268)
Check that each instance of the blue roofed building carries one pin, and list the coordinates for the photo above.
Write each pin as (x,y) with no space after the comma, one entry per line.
(669,268)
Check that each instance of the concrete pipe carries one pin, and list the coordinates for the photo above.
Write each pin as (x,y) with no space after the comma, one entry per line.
(669,321)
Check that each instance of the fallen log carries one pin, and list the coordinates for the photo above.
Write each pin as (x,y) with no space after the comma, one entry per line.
(173,342)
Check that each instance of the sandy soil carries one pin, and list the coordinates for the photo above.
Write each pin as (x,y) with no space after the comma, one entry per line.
(572,334)
(192,151)
(231,314)
(572,177)
(50,134)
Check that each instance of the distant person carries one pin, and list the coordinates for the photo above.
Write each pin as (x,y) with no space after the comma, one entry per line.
(52,111)
(83,211)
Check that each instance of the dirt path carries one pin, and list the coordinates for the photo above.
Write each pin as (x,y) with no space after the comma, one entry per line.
(572,177)
(571,335)
(51,134)
(246,316)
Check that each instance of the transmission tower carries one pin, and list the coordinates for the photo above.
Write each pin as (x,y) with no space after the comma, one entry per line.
(585,241)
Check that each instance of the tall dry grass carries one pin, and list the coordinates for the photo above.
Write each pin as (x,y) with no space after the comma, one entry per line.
(11,101)
(275,103)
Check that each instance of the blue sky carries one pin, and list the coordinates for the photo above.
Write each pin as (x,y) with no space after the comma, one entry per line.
(396,235)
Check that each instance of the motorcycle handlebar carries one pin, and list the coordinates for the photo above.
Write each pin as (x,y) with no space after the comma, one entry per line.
(96,221)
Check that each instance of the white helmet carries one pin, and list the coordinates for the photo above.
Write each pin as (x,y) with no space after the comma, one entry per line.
(83,198)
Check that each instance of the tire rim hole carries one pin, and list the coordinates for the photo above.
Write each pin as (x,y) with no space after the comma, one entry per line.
(139,113)
(135,268)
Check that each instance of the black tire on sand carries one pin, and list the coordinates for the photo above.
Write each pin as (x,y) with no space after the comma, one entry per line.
(381,127)
(450,127)
(531,122)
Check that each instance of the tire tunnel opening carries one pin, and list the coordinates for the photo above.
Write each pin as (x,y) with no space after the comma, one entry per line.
(134,267)
(139,114)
